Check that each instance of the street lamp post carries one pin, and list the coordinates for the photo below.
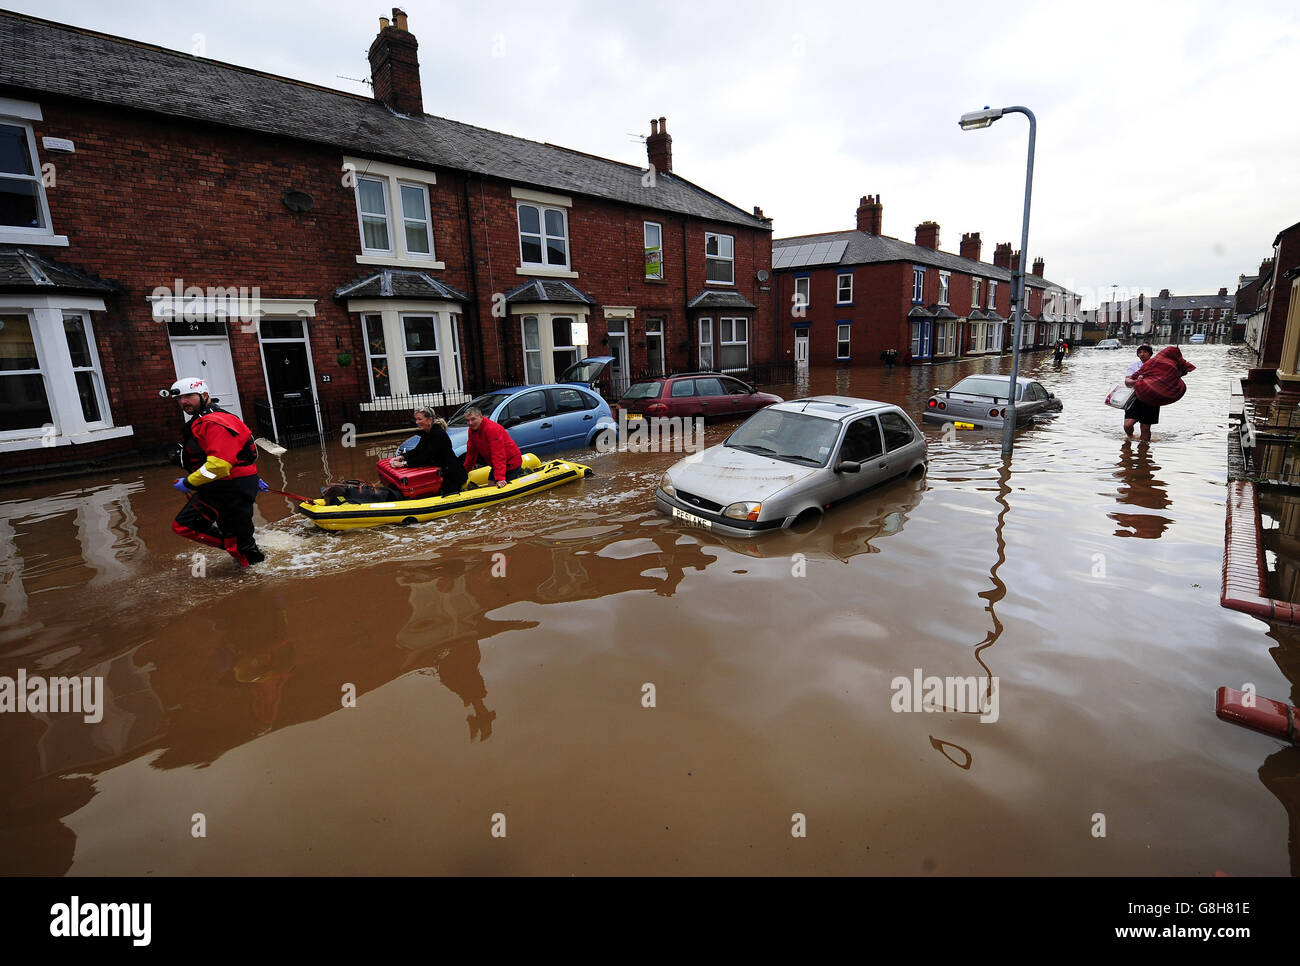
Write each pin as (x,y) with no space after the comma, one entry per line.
(971,122)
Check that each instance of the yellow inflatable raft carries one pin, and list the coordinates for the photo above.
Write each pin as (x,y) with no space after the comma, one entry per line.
(478,493)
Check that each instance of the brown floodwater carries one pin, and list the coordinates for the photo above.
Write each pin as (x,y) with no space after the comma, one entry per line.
(500,664)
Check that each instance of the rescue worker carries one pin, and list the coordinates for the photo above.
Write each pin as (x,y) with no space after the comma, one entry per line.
(490,440)
(218,452)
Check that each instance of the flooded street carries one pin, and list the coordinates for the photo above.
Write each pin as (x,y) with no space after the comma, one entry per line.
(499,661)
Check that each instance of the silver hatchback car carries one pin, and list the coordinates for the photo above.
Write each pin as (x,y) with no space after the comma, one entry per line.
(789,462)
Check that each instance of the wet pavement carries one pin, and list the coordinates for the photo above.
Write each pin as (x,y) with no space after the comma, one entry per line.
(499,663)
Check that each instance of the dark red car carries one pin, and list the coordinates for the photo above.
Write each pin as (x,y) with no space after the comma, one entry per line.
(708,394)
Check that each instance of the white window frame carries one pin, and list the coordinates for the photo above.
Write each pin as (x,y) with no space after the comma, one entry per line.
(546,313)
(729,259)
(976,284)
(20,114)
(392,312)
(993,294)
(802,299)
(724,343)
(441,328)
(705,343)
(844,338)
(46,315)
(426,217)
(645,233)
(369,319)
(543,235)
(840,298)
(918,284)
(945,281)
(392,177)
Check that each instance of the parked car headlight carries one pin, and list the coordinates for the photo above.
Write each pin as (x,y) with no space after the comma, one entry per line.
(743,511)
(667,486)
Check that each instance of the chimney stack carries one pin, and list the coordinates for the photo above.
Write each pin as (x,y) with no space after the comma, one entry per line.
(1164,293)
(970,245)
(1002,256)
(1266,267)
(870,214)
(659,146)
(1222,292)
(927,235)
(394,66)
(1038,267)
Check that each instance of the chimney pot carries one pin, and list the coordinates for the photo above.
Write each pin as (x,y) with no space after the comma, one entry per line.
(869,214)
(1038,267)
(927,235)
(395,66)
(659,145)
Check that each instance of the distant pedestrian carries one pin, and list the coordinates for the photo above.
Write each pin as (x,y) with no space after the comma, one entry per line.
(1059,353)
(1137,411)
(889,357)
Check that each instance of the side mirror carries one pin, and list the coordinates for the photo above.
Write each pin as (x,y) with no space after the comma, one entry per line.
(848,466)
(1051,395)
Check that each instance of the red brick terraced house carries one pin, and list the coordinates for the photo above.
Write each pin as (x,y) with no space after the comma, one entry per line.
(845,297)
(318,255)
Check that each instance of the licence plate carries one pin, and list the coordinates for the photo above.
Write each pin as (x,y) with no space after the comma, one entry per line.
(690,519)
(633,417)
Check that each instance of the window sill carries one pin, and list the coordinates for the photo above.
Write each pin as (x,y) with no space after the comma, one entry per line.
(79,439)
(545,271)
(726,284)
(656,281)
(11,237)
(844,305)
(402,262)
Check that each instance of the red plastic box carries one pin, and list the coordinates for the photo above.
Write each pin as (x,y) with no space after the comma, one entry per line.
(414,482)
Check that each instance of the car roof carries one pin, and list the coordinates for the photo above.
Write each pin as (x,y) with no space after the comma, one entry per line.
(999,377)
(832,407)
(511,390)
(685,375)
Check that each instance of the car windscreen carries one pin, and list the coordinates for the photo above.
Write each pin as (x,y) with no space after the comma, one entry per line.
(644,390)
(983,386)
(485,404)
(793,437)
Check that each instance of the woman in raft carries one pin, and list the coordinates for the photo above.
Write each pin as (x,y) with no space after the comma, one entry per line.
(434,449)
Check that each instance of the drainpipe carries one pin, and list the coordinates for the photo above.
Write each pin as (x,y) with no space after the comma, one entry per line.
(686,290)
(473,289)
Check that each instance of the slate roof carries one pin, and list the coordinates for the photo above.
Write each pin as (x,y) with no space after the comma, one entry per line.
(865,248)
(43,56)
(943,312)
(400,284)
(918,312)
(548,290)
(22,270)
(713,299)
(1186,302)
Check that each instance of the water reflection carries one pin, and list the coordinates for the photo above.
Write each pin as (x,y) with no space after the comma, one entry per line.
(1139,487)
(38,551)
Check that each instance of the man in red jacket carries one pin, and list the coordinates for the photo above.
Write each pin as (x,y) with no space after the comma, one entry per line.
(218,453)
(490,440)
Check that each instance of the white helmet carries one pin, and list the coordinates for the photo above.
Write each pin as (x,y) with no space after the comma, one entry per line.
(183,387)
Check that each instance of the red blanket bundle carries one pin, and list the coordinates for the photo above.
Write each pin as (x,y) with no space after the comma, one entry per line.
(1160,380)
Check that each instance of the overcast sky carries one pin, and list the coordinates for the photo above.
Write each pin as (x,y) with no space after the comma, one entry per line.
(1168,150)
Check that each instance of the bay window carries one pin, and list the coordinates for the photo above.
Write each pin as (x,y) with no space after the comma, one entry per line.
(412,349)
(706,344)
(734,343)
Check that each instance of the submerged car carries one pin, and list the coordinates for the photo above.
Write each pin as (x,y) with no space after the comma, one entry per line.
(1198,339)
(980,402)
(790,462)
(1108,344)
(540,419)
(710,395)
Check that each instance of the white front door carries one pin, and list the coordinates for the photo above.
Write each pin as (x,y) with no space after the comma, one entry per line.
(209,359)
(801,348)
(619,368)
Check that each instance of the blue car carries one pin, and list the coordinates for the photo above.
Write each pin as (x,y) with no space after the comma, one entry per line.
(540,419)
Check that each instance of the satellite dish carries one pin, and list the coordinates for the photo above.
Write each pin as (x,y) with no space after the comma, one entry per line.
(298,201)
(764,274)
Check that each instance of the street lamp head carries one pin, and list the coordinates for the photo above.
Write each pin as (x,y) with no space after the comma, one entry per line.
(978,119)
